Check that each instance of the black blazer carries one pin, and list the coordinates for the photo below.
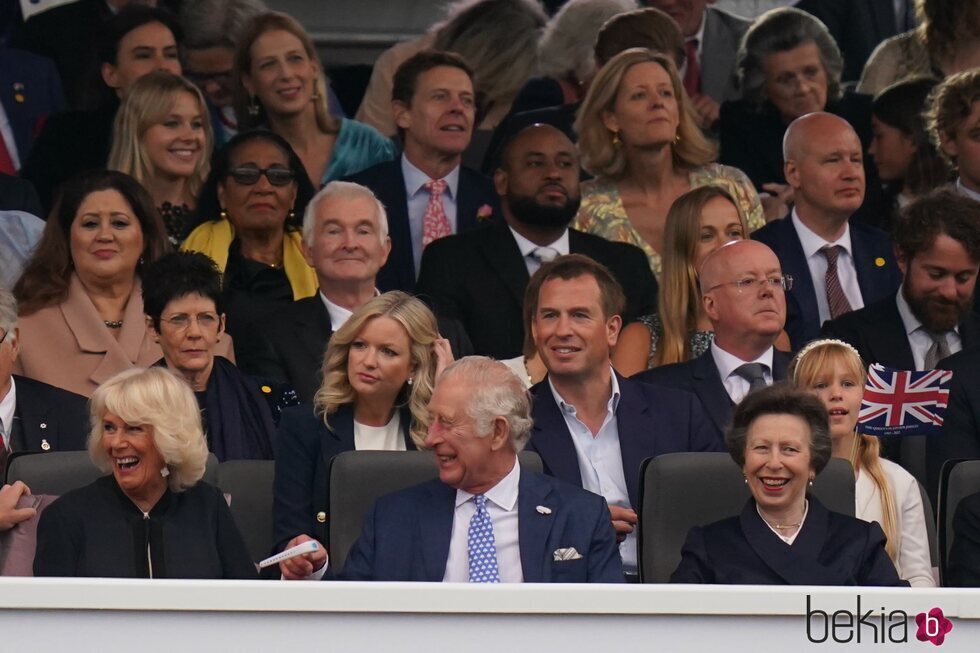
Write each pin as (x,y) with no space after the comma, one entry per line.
(388,183)
(831,549)
(479,279)
(47,418)
(701,377)
(960,437)
(878,275)
(301,488)
(964,556)
(651,421)
(877,332)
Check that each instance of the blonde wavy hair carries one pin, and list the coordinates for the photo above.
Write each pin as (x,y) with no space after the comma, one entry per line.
(600,156)
(149,101)
(817,360)
(420,325)
(156,397)
(679,299)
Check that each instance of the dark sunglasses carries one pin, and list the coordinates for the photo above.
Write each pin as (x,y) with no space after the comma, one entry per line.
(249,175)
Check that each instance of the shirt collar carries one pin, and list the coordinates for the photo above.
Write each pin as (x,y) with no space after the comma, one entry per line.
(503,494)
(812,243)
(728,363)
(415,179)
(8,408)
(699,35)
(338,314)
(526,246)
(612,406)
(963,190)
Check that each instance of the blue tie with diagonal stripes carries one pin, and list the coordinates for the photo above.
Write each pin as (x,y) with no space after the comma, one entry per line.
(480,545)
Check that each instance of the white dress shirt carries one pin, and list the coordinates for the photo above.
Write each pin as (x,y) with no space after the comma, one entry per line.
(502,507)
(379,438)
(600,461)
(968,192)
(338,314)
(8,407)
(527,249)
(817,262)
(418,200)
(737,386)
(919,339)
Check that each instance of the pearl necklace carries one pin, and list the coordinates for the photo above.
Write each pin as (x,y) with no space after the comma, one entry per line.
(113,324)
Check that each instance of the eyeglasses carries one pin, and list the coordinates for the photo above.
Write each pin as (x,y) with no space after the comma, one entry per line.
(784,282)
(4,338)
(200,79)
(249,175)
(181,321)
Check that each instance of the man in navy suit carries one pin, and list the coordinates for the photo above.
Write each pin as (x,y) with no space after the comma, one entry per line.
(593,427)
(30,91)
(479,277)
(837,266)
(744,297)
(485,519)
(427,192)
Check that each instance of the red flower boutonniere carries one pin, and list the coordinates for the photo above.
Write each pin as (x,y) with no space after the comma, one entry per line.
(484,213)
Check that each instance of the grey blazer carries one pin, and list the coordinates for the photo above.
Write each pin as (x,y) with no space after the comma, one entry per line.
(722,34)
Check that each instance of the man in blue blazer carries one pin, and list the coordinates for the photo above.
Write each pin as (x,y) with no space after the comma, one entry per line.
(30,91)
(434,107)
(592,427)
(837,265)
(746,323)
(485,519)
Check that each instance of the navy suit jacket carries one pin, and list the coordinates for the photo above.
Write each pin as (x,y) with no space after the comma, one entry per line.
(306,446)
(388,183)
(831,549)
(30,91)
(877,273)
(701,376)
(406,535)
(479,278)
(48,415)
(651,421)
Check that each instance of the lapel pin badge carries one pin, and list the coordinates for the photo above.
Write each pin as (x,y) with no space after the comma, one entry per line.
(45,446)
(544,510)
(880,262)
(43,425)
(19,92)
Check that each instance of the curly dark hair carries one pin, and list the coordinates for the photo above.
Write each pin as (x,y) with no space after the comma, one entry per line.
(942,211)
(781,399)
(177,275)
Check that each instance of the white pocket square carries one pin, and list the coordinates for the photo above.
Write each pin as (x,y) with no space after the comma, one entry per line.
(567,554)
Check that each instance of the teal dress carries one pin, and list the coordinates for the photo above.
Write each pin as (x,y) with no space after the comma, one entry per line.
(358,147)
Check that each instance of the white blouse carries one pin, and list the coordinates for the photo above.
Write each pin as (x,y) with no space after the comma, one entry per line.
(379,438)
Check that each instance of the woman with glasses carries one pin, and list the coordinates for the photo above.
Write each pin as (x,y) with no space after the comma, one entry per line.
(183,306)
(254,197)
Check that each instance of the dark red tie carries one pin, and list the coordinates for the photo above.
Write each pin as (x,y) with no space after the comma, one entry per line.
(6,163)
(835,293)
(692,76)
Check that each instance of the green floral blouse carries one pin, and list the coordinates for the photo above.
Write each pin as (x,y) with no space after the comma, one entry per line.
(602,212)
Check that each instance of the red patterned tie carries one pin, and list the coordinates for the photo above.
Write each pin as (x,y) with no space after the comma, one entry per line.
(692,76)
(6,161)
(836,298)
(435,224)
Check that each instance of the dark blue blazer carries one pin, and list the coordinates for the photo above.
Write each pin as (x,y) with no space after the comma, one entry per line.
(388,183)
(30,91)
(701,377)
(47,418)
(406,535)
(305,447)
(870,247)
(831,549)
(651,421)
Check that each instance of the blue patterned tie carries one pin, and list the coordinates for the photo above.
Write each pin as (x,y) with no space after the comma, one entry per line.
(480,545)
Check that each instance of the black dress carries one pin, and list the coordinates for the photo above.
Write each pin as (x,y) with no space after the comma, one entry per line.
(97,531)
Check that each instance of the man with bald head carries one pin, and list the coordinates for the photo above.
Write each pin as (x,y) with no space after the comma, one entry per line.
(743,290)
(838,265)
(479,277)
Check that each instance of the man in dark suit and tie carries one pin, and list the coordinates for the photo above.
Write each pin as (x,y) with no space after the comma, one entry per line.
(427,192)
(479,277)
(837,265)
(593,427)
(34,416)
(30,91)
(744,295)
(485,519)
(937,243)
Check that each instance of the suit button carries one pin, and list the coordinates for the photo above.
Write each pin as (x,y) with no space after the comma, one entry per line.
(321,517)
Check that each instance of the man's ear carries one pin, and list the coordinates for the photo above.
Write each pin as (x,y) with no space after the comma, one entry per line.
(792,173)
(500,433)
(901,259)
(500,181)
(402,114)
(708,303)
(613,326)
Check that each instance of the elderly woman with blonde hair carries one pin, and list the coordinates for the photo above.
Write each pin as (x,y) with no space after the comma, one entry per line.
(639,136)
(151,516)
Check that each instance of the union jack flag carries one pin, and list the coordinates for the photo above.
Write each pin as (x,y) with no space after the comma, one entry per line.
(900,402)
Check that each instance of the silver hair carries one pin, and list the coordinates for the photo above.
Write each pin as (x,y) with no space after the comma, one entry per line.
(345,190)
(8,310)
(567,46)
(216,23)
(498,392)
(779,30)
